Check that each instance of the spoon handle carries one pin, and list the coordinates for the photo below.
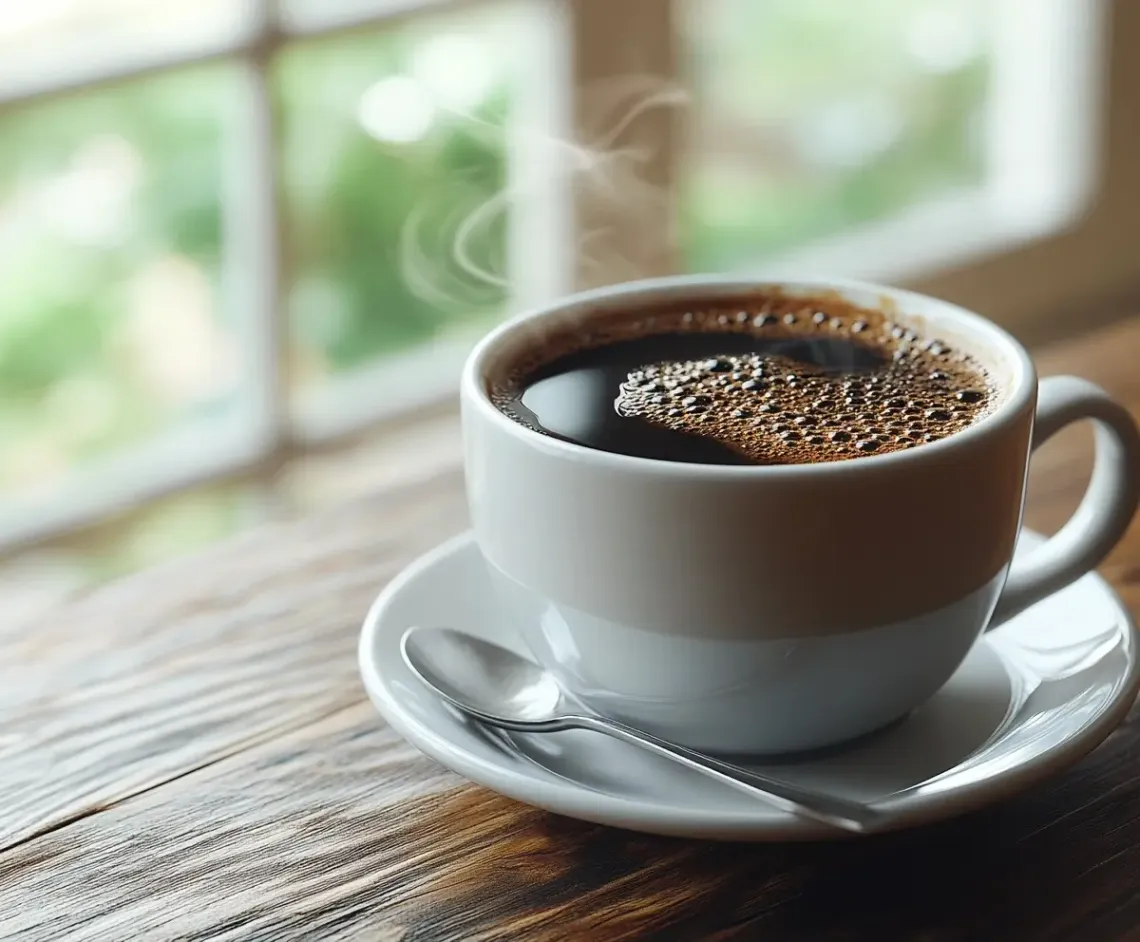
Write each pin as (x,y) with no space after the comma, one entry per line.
(837,812)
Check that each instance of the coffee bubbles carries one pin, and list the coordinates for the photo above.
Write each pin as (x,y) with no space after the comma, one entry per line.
(770,380)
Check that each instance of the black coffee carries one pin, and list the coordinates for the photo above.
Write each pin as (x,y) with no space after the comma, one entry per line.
(770,380)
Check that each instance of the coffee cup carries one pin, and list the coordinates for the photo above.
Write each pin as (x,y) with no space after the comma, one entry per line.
(773,608)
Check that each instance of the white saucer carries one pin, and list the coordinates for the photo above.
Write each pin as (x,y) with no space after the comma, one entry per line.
(1033,697)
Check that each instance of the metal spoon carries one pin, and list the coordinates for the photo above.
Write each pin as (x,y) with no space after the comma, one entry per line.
(501,688)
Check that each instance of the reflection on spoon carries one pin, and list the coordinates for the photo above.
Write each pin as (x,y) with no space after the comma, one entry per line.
(501,688)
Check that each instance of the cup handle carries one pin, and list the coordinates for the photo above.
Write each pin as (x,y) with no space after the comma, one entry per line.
(1105,510)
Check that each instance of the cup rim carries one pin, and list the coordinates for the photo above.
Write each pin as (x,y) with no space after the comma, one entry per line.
(1020,388)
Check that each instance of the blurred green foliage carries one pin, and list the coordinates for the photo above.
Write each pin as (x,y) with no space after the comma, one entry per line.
(77,381)
(65,294)
(772,67)
(349,198)
(66,302)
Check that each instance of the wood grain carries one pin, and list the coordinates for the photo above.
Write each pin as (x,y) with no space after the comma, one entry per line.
(162,674)
(339,831)
(188,755)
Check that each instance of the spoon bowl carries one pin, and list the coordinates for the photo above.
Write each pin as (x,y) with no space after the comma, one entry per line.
(483,679)
(504,689)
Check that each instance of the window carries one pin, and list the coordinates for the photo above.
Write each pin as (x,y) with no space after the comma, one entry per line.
(234,231)
(208,249)
(879,139)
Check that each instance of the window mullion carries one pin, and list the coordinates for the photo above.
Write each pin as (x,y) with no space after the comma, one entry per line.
(539,234)
(624,68)
(257,242)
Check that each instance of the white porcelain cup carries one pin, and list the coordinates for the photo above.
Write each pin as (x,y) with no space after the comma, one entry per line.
(754,609)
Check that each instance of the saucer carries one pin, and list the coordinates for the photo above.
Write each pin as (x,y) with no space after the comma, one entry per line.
(1032,697)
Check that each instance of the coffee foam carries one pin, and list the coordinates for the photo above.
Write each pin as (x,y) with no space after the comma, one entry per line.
(776,410)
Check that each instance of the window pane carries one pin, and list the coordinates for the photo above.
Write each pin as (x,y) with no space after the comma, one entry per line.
(45,40)
(392,157)
(111,329)
(813,116)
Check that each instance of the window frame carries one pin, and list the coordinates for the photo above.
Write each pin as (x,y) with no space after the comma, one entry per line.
(577,43)
(255,445)
(1039,178)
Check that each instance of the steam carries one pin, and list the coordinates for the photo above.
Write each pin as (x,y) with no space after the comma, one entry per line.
(609,172)
(438,248)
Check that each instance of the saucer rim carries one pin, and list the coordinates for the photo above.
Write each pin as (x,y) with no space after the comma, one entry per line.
(565,797)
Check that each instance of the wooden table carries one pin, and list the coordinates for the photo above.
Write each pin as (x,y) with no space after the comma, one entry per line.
(189,754)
